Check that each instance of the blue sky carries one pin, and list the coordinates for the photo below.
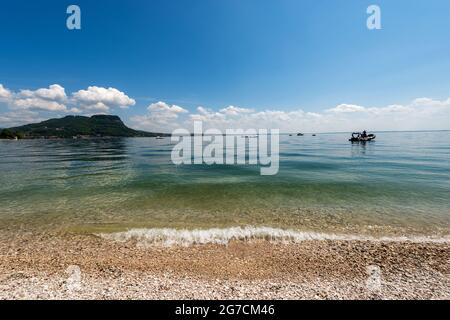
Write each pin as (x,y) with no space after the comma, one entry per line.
(285,55)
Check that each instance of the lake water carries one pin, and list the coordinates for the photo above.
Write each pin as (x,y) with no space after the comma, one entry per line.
(399,184)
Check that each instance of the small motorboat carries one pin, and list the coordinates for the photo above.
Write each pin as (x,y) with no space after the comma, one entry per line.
(359,137)
(159,137)
(299,134)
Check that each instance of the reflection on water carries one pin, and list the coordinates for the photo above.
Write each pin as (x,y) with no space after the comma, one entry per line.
(360,148)
(399,183)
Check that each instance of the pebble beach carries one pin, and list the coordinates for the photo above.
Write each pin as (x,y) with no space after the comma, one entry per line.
(72,266)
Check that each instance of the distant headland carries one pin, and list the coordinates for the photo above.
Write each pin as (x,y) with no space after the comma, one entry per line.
(71,127)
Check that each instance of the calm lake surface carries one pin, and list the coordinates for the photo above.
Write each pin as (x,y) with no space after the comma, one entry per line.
(399,184)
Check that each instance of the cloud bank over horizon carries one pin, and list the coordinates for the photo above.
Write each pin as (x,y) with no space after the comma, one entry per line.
(420,114)
(27,106)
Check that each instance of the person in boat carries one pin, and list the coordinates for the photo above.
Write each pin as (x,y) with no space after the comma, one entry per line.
(358,136)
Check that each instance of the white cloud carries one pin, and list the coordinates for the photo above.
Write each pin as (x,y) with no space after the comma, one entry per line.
(202,110)
(430,102)
(207,115)
(162,117)
(39,104)
(4,93)
(234,111)
(54,99)
(16,118)
(420,114)
(351,108)
(102,99)
(163,108)
(96,107)
(75,110)
(54,92)
(347,108)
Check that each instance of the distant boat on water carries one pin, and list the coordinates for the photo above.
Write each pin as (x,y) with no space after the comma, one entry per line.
(362,137)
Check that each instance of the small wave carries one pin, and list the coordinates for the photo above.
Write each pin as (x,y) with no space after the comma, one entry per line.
(175,237)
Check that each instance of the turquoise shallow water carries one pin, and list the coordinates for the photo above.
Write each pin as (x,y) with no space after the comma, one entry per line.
(398,184)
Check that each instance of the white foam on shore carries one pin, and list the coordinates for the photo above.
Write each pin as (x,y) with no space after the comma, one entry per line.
(172,237)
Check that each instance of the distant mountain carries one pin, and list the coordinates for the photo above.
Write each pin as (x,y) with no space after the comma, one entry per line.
(76,126)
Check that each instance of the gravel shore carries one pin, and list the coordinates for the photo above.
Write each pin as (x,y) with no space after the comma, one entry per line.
(67,266)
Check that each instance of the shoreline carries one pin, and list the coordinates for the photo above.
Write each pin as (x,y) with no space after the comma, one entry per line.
(167,237)
(71,266)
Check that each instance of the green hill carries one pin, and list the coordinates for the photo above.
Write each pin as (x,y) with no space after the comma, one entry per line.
(76,126)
